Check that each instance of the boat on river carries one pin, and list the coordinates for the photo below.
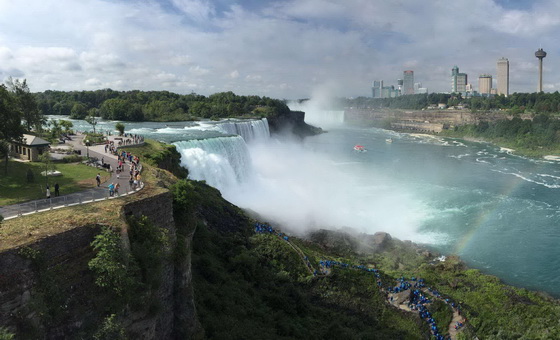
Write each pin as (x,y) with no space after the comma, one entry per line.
(359,148)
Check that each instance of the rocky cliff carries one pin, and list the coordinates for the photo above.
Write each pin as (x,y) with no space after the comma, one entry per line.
(292,122)
(48,291)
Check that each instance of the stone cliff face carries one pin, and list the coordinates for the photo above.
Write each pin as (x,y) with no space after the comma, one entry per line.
(47,290)
(292,122)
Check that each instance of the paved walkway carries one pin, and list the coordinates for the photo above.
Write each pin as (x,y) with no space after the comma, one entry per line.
(86,196)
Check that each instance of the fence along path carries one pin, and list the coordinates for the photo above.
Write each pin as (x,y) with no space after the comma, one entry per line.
(82,197)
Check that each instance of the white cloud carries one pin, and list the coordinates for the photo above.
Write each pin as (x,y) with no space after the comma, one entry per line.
(198,10)
(283,49)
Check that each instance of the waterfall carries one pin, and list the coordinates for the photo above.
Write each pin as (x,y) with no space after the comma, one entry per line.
(222,162)
(249,130)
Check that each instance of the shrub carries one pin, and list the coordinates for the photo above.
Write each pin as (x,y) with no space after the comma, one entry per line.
(5,334)
(110,264)
(72,158)
(111,329)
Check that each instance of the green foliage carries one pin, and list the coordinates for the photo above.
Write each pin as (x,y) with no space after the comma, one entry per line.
(5,334)
(156,105)
(254,291)
(91,118)
(120,128)
(538,136)
(66,124)
(74,158)
(148,244)
(111,263)
(11,128)
(79,111)
(111,329)
(94,138)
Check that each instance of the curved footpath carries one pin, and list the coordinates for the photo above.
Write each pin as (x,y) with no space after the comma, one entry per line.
(81,197)
(408,295)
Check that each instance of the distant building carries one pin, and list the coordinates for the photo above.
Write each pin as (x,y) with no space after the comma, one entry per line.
(484,84)
(458,81)
(408,82)
(418,89)
(380,91)
(376,88)
(503,76)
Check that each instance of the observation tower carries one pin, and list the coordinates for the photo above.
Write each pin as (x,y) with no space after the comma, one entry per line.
(540,54)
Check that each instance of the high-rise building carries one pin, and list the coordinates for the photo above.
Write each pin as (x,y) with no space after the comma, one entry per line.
(485,84)
(408,82)
(376,89)
(458,81)
(503,76)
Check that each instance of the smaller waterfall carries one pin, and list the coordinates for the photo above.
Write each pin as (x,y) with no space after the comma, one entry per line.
(249,130)
(222,162)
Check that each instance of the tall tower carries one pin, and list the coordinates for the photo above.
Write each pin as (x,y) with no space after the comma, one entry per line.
(540,54)
(408,82)
(503,76)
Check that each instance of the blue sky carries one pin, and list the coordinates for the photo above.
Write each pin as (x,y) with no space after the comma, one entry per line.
(282,49)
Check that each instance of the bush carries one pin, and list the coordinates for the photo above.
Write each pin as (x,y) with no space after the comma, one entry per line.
(5,334)
(120,128)
(72,158)
(110,264)
(111,329)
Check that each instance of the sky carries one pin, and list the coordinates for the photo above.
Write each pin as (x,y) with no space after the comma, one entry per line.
(281,49)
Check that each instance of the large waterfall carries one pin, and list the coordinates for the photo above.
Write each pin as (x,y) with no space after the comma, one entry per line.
(249,130)
(223,162)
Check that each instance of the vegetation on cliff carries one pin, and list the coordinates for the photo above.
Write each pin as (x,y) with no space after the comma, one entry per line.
(537,137)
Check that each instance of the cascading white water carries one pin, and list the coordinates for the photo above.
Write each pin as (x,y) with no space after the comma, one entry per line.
(249,130)
(222,162)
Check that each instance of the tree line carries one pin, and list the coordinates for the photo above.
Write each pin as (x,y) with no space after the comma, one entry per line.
(155,105)
(516,103)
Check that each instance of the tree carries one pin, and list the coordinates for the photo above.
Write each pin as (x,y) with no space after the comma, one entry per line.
(92,119)
(78,111)
(25,103)
(66,124)
(11,129)
(120,128)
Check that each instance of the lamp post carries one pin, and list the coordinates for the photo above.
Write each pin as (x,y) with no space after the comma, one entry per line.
(87,148)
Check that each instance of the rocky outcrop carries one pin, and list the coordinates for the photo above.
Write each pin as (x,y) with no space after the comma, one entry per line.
(292,123)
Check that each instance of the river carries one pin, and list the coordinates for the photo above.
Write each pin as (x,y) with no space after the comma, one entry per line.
(498,211)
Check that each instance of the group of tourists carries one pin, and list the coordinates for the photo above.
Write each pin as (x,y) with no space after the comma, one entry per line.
(419,300)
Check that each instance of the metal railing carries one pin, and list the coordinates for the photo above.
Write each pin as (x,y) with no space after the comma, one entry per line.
(79,198)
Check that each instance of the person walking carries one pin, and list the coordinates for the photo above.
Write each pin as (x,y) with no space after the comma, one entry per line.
(98,179)
(117,186)
(48,192)
(56,189)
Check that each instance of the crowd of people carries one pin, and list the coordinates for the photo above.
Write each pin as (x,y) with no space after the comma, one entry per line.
(417,302)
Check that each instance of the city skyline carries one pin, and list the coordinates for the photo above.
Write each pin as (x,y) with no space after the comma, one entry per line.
(282,49)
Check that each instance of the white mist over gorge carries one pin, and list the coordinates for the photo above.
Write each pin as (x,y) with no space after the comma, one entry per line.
(298,186)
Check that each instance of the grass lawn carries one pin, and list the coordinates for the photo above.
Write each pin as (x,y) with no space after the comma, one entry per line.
(14,187)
